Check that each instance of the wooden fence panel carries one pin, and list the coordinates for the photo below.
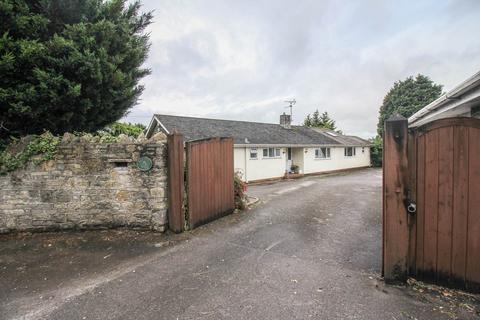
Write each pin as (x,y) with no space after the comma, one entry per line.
(209,179)
(176,217)
(473,224)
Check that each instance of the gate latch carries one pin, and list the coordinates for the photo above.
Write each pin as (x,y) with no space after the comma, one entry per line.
(412,208)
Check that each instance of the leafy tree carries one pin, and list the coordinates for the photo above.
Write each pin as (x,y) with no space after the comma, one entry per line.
(318,120)
(69,65)
(407,97)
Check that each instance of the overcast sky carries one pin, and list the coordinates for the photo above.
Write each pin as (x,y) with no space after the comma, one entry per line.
(241,59)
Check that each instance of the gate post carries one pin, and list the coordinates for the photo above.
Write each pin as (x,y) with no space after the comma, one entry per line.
(176,218)
(395,188)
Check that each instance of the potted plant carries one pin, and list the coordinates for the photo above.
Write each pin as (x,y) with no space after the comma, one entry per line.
(295,169)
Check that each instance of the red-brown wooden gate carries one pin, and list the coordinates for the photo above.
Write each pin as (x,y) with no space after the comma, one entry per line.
(209,183)
(443,179)
(205,180)
(447,228)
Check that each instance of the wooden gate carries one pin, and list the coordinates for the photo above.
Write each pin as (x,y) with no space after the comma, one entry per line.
(204,180)
(440,178)
(210,192)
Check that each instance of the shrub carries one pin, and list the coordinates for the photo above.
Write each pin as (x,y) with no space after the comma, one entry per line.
(240,197)
(19,152)
(295,168)
(129,129)
(376,151)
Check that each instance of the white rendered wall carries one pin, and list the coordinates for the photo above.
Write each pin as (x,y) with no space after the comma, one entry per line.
(337,160)
(260,168)
(239,161)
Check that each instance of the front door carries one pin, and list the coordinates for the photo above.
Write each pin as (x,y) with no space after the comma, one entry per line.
(289,160)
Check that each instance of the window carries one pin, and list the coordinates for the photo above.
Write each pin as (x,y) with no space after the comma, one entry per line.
(322,153)
(349,151)
(333,134)
(271,153)
(253,153)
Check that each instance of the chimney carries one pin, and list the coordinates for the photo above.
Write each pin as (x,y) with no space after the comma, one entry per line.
(285,121)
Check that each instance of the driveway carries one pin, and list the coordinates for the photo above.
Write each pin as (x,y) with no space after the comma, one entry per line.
(311,248)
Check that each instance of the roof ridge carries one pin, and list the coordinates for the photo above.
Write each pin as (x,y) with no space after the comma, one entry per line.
(256,132)
(203,118)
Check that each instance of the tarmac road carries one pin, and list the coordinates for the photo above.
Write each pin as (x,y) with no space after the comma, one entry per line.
(310,249)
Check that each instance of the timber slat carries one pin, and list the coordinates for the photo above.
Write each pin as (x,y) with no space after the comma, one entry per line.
(445,203)
(431,205)
(460,204)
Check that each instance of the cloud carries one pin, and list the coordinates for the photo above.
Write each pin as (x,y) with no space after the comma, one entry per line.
(242,59)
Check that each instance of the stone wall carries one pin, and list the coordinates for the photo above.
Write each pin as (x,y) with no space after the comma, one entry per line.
(88,185)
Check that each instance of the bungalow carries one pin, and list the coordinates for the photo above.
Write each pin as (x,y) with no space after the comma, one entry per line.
(267,150)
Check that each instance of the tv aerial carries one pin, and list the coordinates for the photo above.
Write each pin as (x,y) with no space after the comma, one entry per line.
(291,103)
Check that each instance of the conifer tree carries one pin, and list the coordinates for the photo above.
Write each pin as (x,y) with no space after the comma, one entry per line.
(69,65)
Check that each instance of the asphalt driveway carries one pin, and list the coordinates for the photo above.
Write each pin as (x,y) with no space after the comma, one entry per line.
(311,248)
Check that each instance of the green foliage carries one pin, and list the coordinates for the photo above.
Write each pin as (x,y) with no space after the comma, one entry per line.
(320,121)
(407,97)
(376,151)
(16,153)
(19,153)
(129,129)
(69,65)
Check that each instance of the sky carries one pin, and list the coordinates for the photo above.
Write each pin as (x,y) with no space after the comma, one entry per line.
(241,59)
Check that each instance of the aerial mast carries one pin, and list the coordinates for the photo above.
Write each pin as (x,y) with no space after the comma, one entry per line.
(292,102)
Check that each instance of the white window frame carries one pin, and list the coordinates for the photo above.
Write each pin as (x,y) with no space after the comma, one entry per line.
(271,153)
(323,153)
(253,151)
(346,153)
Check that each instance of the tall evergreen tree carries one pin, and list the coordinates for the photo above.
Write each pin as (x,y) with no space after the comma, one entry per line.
(318,120)
(327,122)
(308,121)
(407,97)
(69,65)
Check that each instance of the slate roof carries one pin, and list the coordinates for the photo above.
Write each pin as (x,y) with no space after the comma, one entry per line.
(244,132)
(343,139)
